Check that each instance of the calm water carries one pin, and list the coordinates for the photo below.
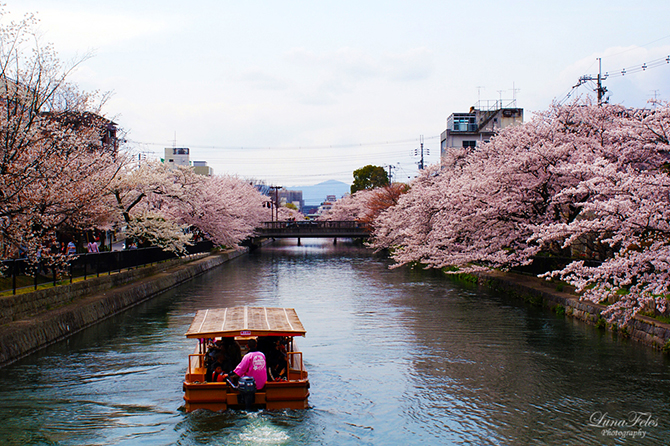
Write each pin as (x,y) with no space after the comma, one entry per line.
(395,357)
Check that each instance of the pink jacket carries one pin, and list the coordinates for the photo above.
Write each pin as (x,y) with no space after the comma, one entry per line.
(253,364)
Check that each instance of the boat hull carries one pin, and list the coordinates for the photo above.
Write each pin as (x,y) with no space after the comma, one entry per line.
(221,396)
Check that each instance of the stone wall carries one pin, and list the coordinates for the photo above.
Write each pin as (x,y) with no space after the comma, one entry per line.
(35,320)
(541,292)
(22,306)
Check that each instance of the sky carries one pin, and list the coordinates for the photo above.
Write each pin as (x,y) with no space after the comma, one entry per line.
(299,92)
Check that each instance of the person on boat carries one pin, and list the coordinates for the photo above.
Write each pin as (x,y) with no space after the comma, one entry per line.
(226,364)
(218,376)
(276,360)
(253,364)
(232,349)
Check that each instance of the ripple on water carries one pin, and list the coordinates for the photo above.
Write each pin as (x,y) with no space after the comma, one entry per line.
(395,357)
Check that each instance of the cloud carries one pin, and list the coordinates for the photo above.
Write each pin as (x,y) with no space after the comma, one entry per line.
(262,80)
(354,64)
(331,75)
(412,65)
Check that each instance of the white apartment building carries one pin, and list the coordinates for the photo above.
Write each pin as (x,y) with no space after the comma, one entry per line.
(179,156)
(468,130)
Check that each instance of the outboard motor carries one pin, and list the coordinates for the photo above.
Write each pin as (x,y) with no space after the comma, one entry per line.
(247,387)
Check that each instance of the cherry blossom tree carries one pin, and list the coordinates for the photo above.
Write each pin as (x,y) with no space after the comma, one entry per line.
(348,208)
(56,160)
(366,204)
(225,208)
(563,181)
(627,214)
(158,203)
(147,196)
(286,214)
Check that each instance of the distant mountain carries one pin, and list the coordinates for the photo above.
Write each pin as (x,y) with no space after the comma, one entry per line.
(314,195)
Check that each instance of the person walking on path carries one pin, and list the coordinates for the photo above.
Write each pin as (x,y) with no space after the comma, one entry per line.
(71,248)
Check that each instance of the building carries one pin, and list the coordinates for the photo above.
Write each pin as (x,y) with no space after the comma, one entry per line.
(326,205)
(18,101)
(468,130)
(177,156)
(180,156)
(201,168)
(291,196)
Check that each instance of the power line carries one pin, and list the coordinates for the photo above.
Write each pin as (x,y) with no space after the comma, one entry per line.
(640,67)
(601,90)
(321,147)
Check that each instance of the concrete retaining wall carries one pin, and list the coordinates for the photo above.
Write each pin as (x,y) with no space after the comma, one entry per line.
(33,321)
(537,291)
(22,306)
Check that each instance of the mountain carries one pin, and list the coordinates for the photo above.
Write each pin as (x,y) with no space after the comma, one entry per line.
(316,194)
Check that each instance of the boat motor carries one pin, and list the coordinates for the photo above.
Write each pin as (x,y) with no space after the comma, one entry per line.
(247,387)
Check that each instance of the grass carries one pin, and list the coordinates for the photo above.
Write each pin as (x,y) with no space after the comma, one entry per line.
(559,310)
(30,287)
(658,317)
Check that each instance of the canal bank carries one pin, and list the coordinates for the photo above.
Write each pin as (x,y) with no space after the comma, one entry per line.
(538,291)
(35,320)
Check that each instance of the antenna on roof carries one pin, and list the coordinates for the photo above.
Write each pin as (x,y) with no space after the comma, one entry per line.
(514,90)
(479,94)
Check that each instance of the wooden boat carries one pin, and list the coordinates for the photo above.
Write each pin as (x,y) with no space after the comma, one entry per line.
(241,324)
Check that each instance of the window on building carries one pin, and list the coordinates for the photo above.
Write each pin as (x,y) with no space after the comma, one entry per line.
(469,144)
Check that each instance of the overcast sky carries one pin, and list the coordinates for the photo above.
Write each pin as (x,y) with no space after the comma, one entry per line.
(299,92)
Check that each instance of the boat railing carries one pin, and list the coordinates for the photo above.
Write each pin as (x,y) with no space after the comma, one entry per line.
(296,366)
(196,367)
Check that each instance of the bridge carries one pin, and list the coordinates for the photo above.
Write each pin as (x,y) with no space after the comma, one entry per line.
(313,229)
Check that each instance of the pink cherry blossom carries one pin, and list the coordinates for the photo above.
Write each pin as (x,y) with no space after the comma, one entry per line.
(576,180)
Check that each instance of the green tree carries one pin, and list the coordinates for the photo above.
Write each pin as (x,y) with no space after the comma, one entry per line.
(369,177)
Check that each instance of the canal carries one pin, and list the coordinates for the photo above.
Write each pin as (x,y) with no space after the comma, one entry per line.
(395,357)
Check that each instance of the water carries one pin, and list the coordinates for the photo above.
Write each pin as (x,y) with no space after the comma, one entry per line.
(395,357)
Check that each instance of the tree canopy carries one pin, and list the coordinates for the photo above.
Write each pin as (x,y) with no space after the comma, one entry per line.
(369,177)
(579,181)
(61,168)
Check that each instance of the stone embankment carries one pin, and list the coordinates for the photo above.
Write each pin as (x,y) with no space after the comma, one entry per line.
(32,321)
(644,329)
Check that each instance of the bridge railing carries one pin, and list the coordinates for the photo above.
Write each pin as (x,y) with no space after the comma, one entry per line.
(314,226)
(321,224)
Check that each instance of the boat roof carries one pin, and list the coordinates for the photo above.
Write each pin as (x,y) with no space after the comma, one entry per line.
(245,321)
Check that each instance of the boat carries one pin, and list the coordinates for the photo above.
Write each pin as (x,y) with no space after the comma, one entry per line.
(236,326)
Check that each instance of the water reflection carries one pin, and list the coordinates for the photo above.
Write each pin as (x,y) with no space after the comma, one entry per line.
(395,357)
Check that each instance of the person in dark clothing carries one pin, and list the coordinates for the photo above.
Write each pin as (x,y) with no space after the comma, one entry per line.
(277,361)
(232,349)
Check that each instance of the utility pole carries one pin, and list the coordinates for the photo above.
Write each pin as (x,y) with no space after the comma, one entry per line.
(391,167)
(416,153)
(600,89)
(276,201)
